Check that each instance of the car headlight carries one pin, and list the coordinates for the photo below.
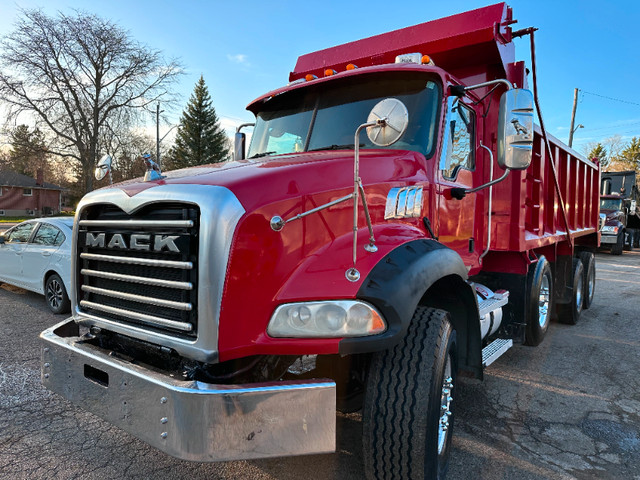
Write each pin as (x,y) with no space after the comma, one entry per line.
(338,318)
(610,229)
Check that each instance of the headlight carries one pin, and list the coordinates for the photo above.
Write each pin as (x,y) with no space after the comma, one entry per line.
(610,229)
(339,318)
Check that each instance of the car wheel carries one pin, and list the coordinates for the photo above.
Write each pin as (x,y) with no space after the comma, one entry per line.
(540,301)
(56,295)
(409,405)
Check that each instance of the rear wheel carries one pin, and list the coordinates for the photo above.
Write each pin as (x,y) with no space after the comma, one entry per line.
(56,295)
(539,305)
(589,263)
(409,405)
(569,313)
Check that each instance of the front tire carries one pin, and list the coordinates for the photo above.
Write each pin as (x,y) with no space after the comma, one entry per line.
(540,299)
(56,295)
(619,245)
(409,405)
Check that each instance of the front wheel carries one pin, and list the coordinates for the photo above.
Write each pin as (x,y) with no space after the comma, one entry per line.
(56,295)
(409,405)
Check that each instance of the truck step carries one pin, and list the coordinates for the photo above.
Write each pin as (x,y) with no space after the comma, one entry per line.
(495,349)
(499,299)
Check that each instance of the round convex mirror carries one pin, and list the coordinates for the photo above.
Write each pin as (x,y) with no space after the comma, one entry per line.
(396,118)
(103,167)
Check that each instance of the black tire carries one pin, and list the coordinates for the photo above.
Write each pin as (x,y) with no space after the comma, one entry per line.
(617,248)
(539,303)
(628,240)
(588,260)
(569,313)
(410,393)
(56,295)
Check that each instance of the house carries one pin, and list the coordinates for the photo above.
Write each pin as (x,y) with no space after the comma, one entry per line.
(22,195)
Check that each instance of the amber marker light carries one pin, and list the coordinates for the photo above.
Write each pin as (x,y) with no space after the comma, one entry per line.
(351,66)
(308,77)
(329,71)
(426,60)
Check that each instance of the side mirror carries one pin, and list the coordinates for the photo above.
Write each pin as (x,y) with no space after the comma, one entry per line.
(240,141)
(395,118)
(239,144)
(103,168)
(515,129)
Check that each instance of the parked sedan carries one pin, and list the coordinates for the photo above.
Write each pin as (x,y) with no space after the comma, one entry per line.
(36,255)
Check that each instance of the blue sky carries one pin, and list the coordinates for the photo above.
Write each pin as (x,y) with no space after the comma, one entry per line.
(244,49)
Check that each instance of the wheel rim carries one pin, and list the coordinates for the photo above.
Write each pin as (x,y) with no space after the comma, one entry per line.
(446,398)
(54,293)
(543,301)
(579,293)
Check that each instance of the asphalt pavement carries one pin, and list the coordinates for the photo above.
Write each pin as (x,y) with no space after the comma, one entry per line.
(569,408)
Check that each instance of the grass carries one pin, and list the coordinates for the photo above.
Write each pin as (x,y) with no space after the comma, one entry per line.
(22,219)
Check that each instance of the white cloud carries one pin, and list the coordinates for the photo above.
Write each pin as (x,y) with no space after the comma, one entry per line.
(239,58)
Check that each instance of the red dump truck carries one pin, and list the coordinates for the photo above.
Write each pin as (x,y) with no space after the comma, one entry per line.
(397,219)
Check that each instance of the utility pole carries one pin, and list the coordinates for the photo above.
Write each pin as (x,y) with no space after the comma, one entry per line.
(573,115)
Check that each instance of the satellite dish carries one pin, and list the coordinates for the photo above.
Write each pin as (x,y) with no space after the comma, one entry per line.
(103,167)
(396,118)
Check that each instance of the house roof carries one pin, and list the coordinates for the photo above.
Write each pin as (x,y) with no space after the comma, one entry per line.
(13,179)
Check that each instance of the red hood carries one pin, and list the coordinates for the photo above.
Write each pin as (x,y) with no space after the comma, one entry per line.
(270,179)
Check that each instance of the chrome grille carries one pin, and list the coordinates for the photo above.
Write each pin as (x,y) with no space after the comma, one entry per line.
(140,268)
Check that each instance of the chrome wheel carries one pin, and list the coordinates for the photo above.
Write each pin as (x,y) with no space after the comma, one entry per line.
(543,302)
(55,293)
(445,406)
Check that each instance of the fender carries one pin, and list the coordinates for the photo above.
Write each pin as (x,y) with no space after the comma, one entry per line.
(401,281)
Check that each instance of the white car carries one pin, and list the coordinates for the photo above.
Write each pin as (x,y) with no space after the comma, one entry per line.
(36,255)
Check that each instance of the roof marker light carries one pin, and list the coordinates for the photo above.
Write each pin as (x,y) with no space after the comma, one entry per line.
(308,77)
(426,60)
(329,71)
(351,66)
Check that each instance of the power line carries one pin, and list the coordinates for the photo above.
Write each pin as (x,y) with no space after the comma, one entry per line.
(610,98)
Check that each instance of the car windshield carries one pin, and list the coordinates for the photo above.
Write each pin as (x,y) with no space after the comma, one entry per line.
(326,116)
(610,204)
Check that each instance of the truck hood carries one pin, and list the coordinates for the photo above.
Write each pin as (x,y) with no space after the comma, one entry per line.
(284,176)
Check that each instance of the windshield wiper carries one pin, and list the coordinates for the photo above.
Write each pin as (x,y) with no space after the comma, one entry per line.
(336,147)
(263,154)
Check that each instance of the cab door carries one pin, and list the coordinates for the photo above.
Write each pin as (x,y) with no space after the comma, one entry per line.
(456,168)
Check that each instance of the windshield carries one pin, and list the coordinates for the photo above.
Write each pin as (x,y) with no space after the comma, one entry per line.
(610,204)
(325,117)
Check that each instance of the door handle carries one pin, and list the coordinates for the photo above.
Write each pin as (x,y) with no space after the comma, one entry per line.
(46,254)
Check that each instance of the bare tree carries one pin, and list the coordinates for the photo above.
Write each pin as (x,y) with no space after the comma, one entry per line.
(606,150)
(80,75)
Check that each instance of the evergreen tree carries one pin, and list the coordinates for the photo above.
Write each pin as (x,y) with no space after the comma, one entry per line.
(629,157)
(28,151)
(600,153)
(200,138)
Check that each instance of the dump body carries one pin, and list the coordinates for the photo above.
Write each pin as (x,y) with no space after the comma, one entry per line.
(221,287)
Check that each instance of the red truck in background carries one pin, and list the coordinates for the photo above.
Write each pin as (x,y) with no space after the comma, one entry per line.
(364,250)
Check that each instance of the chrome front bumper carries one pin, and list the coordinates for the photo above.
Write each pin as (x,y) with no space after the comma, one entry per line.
(608,239)
(188,419)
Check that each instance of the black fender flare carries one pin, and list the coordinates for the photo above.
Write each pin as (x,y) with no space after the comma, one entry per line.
(398,283)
